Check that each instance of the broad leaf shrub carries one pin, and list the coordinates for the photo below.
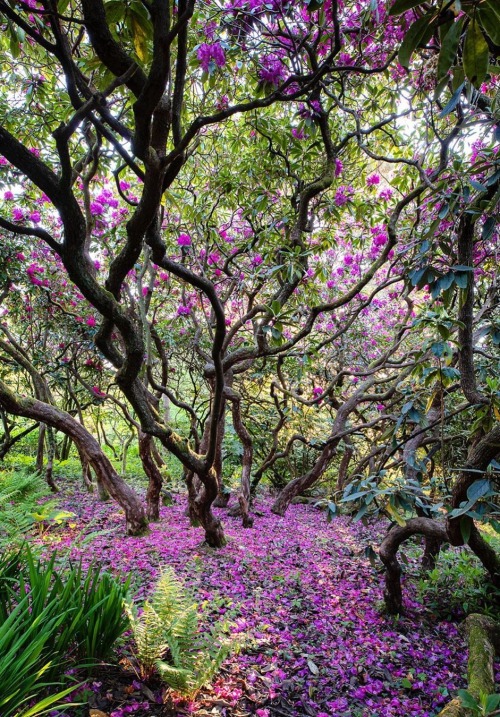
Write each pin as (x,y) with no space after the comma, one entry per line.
(52,619)
(458,586)
(168,638)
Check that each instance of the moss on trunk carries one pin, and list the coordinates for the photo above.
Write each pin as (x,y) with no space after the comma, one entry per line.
(483,637)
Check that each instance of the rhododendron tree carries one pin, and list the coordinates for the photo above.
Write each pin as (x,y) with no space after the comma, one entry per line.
(237,205)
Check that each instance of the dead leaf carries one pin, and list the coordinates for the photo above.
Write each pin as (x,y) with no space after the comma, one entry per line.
(97,713)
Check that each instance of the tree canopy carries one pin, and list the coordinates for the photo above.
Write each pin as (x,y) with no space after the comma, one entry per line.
(265,236)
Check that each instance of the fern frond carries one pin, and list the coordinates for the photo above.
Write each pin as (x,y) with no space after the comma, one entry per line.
(167,637)
(176,678)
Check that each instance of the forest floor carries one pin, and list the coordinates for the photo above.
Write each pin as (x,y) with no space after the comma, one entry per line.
(301,594)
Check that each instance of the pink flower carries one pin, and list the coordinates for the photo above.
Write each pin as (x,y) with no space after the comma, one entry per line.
(184,240)
(338,167)
(344,59)
(8,196)
(257,260)
(373,179)
(211,56)
(96,208)
(386,195)
(183,310)
(17,214)
(343,195)
(35,217)
(379,239)
(317,391)
(298,133)
(273,71)
(20,256)
(91,321)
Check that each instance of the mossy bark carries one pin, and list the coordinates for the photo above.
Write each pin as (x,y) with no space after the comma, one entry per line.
(483,637)
(480,635)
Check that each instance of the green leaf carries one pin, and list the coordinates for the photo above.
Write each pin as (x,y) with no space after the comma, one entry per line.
(492,703)
(488,228)
(395,515)
(465,528)
(489,17)
(51,701)
(467,700)
(401,6)
(476,54)
(419,31)
(450,106)
(449,48)
(478,489)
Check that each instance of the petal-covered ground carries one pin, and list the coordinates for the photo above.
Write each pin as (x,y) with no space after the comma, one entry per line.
(306,601)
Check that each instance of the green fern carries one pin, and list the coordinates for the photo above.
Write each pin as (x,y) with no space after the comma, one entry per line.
(168,639)
(20,495)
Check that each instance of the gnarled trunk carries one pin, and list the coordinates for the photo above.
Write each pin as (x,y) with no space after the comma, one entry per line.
(246,468)
(40,449)
(51,450)
(302,483)
(389,555)
(479,458)
(483,637)
(136,522)
(201,508)
(155,480)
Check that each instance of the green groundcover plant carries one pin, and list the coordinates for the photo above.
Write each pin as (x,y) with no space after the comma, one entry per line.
(52,620)
(168,638)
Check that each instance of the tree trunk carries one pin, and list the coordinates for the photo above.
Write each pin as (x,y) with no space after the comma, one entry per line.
(40,451)
(389,555)
(302,483)
(203,489)
(344,464)
(136,522)
(51,449)
(157,456)
(479,458)
(65,448)
(246,468)
(126,446)
(200,507)
(483,637)
(486,554)
(155,480)
(86,473)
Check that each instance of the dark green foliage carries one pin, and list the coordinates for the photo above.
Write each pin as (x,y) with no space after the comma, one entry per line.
(52,619)
(458,585)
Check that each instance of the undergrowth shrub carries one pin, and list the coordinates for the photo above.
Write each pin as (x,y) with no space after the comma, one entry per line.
(52,619)
(458,585)
(168,638)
